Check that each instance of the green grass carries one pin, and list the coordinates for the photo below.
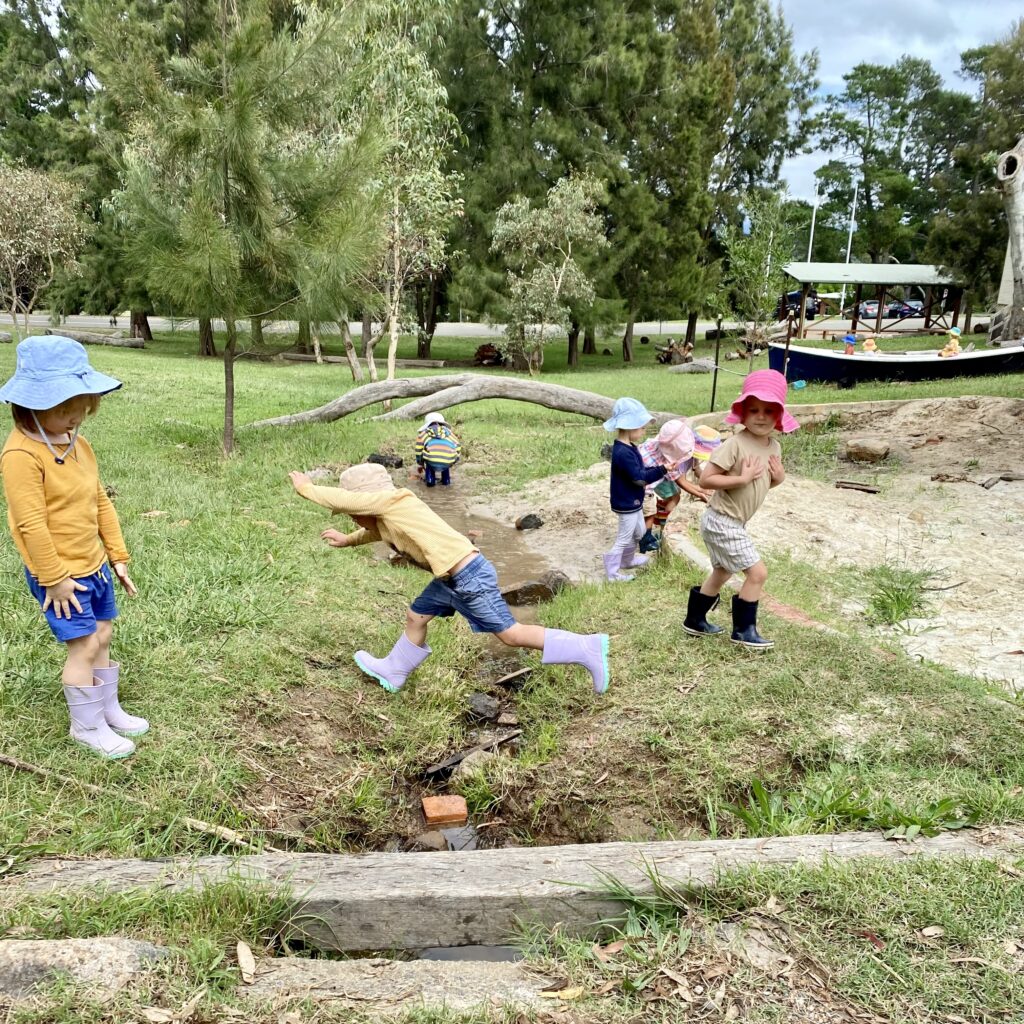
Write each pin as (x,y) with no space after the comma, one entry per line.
(897,593)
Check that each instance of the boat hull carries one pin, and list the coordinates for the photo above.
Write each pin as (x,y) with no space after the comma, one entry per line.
(812,364)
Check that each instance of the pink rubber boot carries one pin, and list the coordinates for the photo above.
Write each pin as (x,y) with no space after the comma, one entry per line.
(391,672)
(564,648)
(89,726)
(118,719)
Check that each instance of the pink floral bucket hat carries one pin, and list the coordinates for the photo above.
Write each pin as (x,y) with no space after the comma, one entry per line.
(675,439)
(769,386)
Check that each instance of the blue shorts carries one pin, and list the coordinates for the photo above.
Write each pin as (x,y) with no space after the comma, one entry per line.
(473,593)
(97,601)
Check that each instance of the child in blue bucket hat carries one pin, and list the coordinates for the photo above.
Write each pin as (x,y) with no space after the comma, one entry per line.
(66,530)
(629,480)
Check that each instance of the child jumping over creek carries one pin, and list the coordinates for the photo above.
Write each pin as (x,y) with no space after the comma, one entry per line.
(464,580)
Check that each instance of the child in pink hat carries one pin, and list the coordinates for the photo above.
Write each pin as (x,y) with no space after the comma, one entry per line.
(740,473)
(672,448)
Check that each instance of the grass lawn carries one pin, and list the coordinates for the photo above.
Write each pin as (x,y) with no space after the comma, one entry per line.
(239,652)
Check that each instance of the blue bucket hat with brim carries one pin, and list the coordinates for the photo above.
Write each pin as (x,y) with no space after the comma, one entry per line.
(628,414)
(50,370)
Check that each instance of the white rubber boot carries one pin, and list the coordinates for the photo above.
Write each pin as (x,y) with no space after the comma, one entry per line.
(89,726)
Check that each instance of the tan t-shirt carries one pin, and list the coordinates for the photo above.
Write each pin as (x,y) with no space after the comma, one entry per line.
(742,502)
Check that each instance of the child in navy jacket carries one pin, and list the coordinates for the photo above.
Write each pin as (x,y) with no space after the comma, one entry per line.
(629,479)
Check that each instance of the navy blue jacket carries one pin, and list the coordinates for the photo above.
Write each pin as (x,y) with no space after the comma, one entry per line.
(630,477)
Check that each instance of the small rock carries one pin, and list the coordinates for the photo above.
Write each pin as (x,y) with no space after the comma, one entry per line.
(461,839)
(320,473)
(386,459)
(697,366)
(473,763)
(484,707)
(430,841)
(529,522)
(606,452)
(536,591)
(866,449)
(507,718)
(606,351)
(445,810)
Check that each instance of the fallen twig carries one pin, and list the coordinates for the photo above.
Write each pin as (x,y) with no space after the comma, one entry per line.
(853,485)
(451,762)
(226,834)
(952,586)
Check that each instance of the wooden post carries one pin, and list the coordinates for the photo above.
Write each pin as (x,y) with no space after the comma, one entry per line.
(714,373)
(856,308)
(881,308)
(803,313)
(958,298)
(929,298)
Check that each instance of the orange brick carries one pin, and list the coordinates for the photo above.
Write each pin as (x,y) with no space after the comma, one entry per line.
(445,810)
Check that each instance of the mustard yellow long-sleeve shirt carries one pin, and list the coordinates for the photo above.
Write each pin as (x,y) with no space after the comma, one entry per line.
(61,519)
(403,521)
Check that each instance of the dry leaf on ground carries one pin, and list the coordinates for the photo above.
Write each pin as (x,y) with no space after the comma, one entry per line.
(246,963)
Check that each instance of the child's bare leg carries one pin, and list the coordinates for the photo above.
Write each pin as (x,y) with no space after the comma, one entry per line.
(82,654)
(712,586)
(416,627)
(523,634)
(754,582)
(104,633)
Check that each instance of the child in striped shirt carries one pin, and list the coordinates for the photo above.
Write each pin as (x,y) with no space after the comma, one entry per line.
(437,450)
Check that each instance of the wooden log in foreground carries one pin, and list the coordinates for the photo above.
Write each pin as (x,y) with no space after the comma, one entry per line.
(413,901)
(88,338)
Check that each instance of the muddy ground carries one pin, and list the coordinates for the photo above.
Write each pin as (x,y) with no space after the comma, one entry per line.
(971,537)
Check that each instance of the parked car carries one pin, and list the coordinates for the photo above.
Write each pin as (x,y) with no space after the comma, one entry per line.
(868,309)
(790,305)
(899,308)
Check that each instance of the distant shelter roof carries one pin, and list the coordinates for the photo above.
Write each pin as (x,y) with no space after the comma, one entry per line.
(890,274)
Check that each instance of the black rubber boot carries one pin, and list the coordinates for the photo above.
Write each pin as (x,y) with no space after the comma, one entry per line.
(744,626)
(697,608)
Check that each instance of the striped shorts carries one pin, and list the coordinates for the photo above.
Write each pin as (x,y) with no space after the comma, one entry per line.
(728,543)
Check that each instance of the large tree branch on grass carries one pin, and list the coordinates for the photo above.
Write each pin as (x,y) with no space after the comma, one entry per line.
(456,389)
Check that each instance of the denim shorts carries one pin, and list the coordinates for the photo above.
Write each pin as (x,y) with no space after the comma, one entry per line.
(473,593)
(97,601)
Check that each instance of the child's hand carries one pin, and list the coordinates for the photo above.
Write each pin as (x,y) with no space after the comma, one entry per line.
(62,597)
(299,479)
(778,474)
(121,572)
(334,538)
(753,469)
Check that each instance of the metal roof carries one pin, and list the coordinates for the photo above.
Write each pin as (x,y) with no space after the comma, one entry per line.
(869,273)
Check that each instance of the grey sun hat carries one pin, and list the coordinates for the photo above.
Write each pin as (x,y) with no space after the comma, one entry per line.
(50,370)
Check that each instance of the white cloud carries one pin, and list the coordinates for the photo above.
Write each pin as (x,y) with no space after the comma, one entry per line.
(880,32)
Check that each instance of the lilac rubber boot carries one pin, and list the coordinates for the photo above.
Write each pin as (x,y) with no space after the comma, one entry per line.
(391,672)
(89,726)
(564,648)
(117,718)
(613,568)
(632,560)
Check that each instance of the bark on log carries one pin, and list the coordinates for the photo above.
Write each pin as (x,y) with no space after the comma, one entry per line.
(455,389)
(87,338)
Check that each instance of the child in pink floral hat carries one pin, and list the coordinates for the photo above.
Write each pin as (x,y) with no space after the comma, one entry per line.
(672,448)
(740,473)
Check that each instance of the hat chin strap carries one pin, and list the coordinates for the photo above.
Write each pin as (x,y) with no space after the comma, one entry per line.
(59,459)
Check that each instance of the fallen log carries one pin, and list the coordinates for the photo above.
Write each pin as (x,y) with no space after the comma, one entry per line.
(88,338)
(455,389)
(854,485)
(402,364)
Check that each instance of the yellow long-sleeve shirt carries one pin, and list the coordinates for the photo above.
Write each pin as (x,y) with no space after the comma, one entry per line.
(403,521)
(61,519)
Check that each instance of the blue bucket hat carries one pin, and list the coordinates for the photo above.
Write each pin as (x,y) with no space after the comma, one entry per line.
(628,414)
(50,370)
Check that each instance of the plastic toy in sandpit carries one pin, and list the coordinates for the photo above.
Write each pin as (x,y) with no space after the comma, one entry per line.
(869,346)
(953,345)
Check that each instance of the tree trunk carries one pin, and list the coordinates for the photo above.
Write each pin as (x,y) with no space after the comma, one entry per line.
(140,325)
(302,341)
(627,342)
(229,386)
(314,334)
(691,329)
(453,389)
(350,350)
(256,329)
(207,346)
(968,313)
(574,340)
(428,296)
(589,340)
(367,333)
(1010,172)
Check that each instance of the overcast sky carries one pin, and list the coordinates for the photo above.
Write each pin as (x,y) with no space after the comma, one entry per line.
(880,32)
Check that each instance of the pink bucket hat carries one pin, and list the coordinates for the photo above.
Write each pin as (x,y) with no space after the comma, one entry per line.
(675,439)
(769,386)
